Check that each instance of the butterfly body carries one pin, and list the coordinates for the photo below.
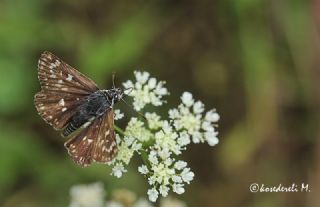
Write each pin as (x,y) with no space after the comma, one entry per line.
(95,105)
(68,101)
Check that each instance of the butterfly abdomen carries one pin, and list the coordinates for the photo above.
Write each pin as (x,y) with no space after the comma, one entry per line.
(95,106)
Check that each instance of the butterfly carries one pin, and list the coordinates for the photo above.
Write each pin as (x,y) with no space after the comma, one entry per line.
(71,102)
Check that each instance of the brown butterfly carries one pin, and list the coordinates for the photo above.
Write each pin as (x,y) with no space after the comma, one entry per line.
(68,101)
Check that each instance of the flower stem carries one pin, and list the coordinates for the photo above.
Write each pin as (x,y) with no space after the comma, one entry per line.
(144,158)
(119,130)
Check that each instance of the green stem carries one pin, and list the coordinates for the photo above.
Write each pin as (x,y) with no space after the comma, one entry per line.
(144,157)
(119,130)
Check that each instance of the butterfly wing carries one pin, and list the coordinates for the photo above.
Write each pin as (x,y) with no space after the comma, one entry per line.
(95,143)
(63,89)
(105,148)
(80,147)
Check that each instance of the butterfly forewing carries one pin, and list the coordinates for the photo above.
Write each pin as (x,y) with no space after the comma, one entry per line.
(63,90)
(56,109)
(54,74)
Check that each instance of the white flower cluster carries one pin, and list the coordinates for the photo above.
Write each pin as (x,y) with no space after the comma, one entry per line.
(188,119)
(145,90)
(87,195)
(159,141)
(93,195)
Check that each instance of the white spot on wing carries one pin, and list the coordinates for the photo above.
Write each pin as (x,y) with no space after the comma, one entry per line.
(61,102)
(69,78)
(64,109)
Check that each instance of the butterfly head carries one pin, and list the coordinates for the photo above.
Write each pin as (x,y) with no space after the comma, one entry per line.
(115,93)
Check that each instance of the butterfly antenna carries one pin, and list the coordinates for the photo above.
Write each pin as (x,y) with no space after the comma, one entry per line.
(113,76)
(134,110)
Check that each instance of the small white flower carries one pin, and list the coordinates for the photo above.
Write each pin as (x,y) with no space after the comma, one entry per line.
(212,116)
(152,83)
(125,153)
(178,188)
(187,99)
(211,138)
(162,173)
(136,129)
(164,154)
(198,107)
(143,169)
(166,139)
(207,126)
(164,190)
(153,120)
(179,165)
(153,194)
(174,114)
(184,119)
(160,90)
(118,170)
(184,139)
(136,146)
(168,161)
(117,114)
(197,137)
(128,84)
(142,77)
(153,157)
(87,195)
(176,179)
(187,175)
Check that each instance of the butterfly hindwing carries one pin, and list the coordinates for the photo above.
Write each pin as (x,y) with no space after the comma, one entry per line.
(63,90)
(95,143)
(80,147)
(106,146)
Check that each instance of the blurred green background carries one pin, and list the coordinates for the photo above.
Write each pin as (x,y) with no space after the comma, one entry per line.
(256,61)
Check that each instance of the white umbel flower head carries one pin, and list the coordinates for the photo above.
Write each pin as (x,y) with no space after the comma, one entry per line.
(159,140)
(87,195)
(146,90)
